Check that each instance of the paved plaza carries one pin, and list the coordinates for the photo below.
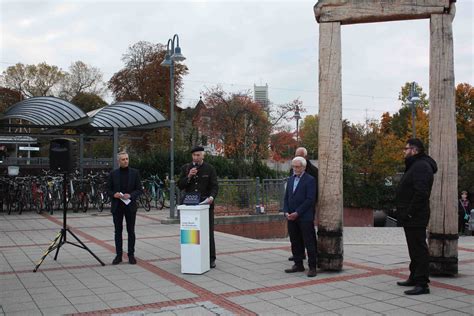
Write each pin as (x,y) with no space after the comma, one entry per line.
(248,280)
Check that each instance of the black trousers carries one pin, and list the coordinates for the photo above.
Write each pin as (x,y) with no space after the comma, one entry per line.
(212,242)
(130,217)
(419,255)
(303,235)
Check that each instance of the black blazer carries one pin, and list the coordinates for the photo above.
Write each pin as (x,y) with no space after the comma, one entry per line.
(134,188)
(205,182)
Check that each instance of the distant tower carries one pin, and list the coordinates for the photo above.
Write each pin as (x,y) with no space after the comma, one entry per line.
(260,94)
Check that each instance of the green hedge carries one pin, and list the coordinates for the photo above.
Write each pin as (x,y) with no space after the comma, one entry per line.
(158,162)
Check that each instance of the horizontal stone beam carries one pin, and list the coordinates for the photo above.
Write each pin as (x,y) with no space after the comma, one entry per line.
(367,11)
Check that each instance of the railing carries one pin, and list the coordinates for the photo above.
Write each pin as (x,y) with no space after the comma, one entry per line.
(236,196)
(249,196)
(273,193)
(44,162)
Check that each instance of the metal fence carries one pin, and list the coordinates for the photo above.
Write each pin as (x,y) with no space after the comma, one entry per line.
(250,196)
(43,162)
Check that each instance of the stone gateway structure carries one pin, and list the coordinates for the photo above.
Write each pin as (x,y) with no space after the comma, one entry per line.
(331,14)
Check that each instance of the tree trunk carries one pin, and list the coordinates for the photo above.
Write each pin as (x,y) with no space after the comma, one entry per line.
(330,205)
(443,238)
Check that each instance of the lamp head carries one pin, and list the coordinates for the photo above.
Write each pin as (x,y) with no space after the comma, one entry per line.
(177,56)
(167,61)
(297,115)
(415,97)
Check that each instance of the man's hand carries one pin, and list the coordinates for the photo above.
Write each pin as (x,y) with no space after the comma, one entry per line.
(293,216)
(192,172)
(126,196)
(209,200)
(118,195)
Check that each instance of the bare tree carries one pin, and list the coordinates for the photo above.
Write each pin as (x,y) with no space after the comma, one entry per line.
(82,78)
(32,80)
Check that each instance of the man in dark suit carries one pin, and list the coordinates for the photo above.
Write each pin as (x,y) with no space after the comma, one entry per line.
(413,212)
(311,170)
(299,210)
(201,177)
(124,187)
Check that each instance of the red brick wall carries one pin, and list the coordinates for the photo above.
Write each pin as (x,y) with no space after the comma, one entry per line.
(253,230)
(253,226)
(274,225)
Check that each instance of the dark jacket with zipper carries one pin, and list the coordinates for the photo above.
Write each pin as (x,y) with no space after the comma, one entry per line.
(414,190)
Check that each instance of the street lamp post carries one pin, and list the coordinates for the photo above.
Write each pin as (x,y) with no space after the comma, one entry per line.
(172,54)
(413,97)
(297,117)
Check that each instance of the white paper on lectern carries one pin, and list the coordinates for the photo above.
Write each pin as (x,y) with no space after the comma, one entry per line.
(205,202)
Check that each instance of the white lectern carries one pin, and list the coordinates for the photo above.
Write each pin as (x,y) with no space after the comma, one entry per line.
(194,224)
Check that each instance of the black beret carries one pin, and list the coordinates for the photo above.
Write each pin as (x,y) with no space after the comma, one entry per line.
(197,148)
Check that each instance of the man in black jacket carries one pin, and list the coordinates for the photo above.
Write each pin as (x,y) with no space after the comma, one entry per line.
(201,177)
(413,212)
(124,187)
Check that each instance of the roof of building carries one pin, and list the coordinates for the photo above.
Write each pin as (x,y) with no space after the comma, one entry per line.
(52,112)
(47,111)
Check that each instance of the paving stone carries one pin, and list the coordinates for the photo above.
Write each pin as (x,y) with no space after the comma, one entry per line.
(454,313)
(402,312)
(332,304)
(427,308)
(451,303)
(353,311)
(89,307)
(378,306)
(59,310)
(244,264)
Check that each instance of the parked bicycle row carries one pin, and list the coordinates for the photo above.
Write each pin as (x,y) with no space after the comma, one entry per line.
(45,193)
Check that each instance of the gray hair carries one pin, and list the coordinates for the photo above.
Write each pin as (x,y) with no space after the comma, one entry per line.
(301,160)
(122,153)
(305,152)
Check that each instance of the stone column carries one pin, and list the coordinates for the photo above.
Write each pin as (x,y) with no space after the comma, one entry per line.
(443,238)
(330,205)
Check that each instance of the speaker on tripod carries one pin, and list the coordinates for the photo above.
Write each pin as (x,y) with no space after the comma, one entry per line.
(62,158)
(62,155)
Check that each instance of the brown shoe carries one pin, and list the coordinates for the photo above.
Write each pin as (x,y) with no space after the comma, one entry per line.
(295,268)
(312,273)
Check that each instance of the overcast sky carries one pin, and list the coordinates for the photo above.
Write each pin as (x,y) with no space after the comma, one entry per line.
(236,44)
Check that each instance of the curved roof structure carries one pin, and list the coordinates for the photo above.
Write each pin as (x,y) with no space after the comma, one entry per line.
(47,111)
(128,115)
(53,112)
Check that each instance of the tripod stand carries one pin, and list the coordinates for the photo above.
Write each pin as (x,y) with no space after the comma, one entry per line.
(60,238)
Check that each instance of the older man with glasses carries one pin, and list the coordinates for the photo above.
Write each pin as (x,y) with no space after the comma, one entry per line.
(413,212)
(298,207)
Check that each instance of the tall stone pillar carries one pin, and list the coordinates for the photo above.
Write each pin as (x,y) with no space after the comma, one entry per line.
(443,238)
(330,202)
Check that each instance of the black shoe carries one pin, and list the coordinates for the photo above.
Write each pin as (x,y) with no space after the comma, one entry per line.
(117,260)
(408,282)
(295,268)
(132,260)
(293,258)
(312,273)
(418,290)
(213,264)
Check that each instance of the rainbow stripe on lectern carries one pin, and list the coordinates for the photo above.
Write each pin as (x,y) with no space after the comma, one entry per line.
(190,237)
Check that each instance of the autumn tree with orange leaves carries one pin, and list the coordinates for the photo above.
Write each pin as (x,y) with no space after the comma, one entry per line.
(238,123)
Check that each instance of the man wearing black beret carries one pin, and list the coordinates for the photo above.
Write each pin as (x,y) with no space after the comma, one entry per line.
(201,177)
